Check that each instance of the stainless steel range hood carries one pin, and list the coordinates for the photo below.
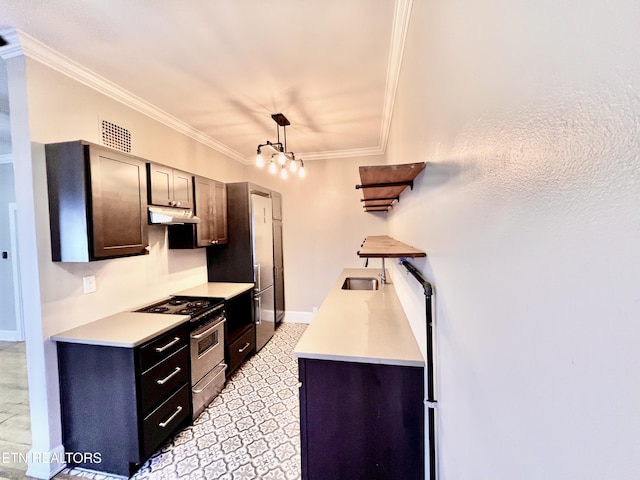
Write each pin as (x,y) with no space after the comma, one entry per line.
(171,216)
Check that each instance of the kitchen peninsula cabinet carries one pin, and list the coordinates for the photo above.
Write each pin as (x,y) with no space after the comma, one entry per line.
(361,420)
(361,387)
(169,187)
(97,202)
(123,402)
(210,198)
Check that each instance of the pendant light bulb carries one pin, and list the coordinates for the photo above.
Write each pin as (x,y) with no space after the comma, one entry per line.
(279,159)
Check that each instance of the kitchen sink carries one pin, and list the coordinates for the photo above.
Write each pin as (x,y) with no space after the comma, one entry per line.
(360,283)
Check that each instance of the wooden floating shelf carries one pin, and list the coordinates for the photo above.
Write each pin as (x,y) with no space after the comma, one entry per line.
(382,246)
(382,184)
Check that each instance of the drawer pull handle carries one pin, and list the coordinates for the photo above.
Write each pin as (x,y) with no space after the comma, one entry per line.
(166,379)
(168,420)
(168,345)
(244,347)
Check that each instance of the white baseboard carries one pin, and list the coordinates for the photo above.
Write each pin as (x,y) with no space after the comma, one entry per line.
(45,465)
(298,317)
(9,336)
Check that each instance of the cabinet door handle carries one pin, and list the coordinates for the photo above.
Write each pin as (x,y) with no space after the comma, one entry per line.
(168,420)
(170,344)
(177,204)
(214,242)
(166,379)
(246,345)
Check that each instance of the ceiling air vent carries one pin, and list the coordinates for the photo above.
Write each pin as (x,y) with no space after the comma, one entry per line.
(115,136)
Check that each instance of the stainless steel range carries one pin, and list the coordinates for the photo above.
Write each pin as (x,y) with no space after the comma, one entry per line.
(208,317)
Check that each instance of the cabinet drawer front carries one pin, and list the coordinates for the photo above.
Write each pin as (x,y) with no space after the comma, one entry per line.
(163,346)
(158,382)
(164,420)
(241,349)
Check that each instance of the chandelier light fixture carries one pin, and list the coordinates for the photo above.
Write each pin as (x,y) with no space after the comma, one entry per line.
(280,159)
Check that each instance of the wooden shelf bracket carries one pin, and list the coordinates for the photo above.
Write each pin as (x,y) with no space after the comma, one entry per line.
(385,183)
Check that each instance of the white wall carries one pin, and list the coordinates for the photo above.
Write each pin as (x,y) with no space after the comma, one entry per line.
(324,225)
(528,116)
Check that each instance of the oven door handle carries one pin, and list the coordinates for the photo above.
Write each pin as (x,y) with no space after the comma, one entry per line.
(207,331)
(223,367)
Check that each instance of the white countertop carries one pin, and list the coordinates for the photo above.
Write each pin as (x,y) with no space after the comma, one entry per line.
(126,329)
(366,326)
(226,290)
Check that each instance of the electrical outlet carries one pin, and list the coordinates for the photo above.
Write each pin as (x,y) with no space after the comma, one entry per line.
(89,284)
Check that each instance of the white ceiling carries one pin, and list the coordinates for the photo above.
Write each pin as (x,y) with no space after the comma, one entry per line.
(220,68)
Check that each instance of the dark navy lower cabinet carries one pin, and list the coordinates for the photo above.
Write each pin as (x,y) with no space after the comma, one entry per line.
(361,421)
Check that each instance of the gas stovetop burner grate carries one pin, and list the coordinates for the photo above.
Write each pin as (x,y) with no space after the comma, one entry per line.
(183,306)
(157,310)
(177,301)
(198,304)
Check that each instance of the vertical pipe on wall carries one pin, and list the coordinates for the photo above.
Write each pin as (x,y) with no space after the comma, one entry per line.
(430,400)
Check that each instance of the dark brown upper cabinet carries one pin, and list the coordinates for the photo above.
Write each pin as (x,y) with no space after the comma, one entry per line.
(169,187)
(97,202)
(210,198)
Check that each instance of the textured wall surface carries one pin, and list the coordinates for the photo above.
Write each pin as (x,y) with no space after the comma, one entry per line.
(528,116)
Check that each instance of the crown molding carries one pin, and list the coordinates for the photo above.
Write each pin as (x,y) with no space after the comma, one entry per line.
(40,52)
(401,18)
(13,48)
(354,152)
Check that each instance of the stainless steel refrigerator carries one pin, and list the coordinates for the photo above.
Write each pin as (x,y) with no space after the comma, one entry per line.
(248,254)
(262,245)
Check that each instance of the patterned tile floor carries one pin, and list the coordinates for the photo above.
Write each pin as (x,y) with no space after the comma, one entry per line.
(250,431)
